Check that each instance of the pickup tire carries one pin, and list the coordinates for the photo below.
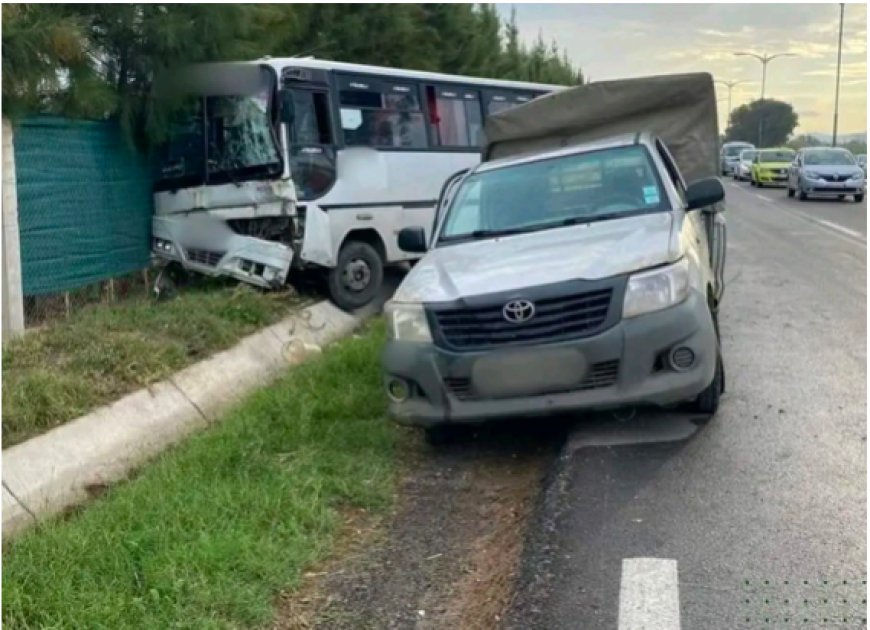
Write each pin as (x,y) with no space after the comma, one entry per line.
(707,401)
(357,276)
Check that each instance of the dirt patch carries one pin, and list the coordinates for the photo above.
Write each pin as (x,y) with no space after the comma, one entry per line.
(449,554)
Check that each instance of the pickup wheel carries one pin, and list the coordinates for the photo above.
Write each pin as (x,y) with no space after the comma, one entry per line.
(356,279)
(707,401)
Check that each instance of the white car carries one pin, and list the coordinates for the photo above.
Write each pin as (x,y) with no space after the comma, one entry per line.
(743,169)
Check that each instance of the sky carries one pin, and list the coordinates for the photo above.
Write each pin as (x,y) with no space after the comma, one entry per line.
(613,41)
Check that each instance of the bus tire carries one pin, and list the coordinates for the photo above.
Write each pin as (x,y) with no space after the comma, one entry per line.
(357,276)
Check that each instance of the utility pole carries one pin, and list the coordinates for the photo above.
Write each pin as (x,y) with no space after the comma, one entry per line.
(837,92)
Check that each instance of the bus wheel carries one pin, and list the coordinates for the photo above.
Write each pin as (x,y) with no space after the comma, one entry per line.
(356,278)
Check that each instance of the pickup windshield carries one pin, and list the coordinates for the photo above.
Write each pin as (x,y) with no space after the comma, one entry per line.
(579,188)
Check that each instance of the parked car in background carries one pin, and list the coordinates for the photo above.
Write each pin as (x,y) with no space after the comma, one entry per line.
(743,170)
(569,271)
(862,162)
(770,166)
(826,172)
(729,156)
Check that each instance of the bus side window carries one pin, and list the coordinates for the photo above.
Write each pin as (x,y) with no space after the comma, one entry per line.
(455,116)
(380,114)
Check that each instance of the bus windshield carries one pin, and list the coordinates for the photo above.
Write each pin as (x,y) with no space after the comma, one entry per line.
(579,188)
(220,139)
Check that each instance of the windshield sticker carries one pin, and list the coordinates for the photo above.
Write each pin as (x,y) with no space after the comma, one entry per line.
(650,194)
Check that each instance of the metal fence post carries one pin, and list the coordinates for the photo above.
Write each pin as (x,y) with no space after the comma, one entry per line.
(13,298)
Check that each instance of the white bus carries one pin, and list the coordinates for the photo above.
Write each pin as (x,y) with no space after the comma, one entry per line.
(311,164)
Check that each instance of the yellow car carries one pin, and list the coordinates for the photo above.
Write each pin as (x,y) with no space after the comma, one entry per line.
(770,166)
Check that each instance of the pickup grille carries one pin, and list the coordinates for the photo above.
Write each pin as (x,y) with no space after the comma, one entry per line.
(602,374)
(555,318)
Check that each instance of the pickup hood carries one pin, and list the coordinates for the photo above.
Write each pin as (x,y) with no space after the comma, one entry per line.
(590,251)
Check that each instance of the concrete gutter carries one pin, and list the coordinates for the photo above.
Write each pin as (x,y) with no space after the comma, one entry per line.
(59,469)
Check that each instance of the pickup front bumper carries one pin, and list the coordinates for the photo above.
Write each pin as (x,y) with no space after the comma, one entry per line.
(631,363)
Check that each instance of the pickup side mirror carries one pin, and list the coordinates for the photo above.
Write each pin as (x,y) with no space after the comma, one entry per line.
(413,240)
(704,192)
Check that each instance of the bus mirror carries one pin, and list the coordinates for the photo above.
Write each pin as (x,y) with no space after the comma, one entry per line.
(287,107)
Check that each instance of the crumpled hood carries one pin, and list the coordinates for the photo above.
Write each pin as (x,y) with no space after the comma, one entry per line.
(590,251)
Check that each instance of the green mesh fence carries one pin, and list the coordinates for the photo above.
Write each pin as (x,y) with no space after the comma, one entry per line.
(84,204)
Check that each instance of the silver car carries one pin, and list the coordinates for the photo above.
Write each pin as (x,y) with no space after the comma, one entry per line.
(576,279)
(825,172)
(743,170)
(729,156)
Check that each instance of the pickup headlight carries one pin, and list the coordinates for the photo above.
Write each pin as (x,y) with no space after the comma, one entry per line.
(407,322)
(657,289)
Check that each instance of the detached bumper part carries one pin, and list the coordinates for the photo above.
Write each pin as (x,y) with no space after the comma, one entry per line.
(658,359)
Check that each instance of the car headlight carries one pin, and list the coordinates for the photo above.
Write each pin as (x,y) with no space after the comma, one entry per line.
(657,289)
(407,322)
(812,175)
(858,175)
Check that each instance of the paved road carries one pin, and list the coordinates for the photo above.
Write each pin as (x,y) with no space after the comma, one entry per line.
(756,519)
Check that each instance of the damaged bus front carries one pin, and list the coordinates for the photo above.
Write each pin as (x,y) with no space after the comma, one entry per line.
(224,200)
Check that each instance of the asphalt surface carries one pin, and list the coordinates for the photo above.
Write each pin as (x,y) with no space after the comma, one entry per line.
(762,510)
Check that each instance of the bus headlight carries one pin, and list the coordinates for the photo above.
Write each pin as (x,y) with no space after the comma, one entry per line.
(657,289)
(407,322)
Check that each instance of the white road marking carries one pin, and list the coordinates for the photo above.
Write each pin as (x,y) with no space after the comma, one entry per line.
(768,199)
(649,594)
(844,230)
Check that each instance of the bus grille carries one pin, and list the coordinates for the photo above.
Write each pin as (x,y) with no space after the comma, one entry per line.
(555,318)
(205,256)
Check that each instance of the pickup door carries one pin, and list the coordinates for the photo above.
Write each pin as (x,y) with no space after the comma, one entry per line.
(711,220)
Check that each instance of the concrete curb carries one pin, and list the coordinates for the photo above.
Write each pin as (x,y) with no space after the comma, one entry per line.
(59,469)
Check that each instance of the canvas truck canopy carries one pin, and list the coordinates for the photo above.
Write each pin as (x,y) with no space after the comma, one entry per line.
(680,109)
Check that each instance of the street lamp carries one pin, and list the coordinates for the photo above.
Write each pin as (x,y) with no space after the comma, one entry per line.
(837,93)
(764,59)
(730,85)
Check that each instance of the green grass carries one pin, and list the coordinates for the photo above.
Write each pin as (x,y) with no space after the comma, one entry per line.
(102,352)
(210,532)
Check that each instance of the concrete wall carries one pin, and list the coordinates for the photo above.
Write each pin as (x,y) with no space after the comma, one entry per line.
(13,299)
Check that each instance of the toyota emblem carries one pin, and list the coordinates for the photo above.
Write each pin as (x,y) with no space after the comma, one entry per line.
(518,311)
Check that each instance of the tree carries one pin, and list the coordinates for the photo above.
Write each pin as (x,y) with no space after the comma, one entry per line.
(765,123)
(100,60)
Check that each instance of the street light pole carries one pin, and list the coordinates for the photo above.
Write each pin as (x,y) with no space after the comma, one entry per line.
(837,92)
(764,59)
(730,85)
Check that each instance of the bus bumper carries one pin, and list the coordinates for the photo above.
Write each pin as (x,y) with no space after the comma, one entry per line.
(208,246)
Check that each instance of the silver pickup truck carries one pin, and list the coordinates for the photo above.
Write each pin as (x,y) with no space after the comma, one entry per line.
(574,268)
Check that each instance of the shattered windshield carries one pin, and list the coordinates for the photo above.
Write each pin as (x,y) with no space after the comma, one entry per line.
(220,139)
